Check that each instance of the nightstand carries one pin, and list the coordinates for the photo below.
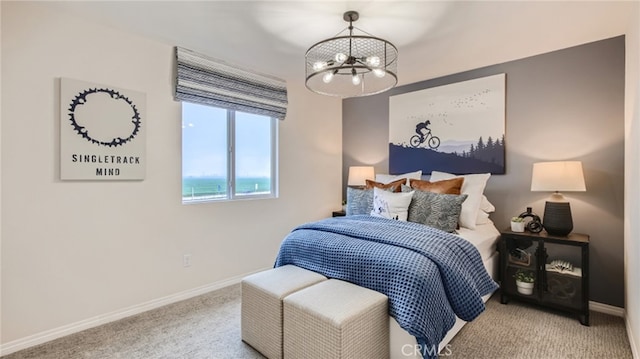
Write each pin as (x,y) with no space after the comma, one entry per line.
(554,285)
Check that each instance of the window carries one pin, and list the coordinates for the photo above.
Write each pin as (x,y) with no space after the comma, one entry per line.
(229,128)
(227,155)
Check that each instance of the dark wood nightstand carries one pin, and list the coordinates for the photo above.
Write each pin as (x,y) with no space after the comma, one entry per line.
(557,288)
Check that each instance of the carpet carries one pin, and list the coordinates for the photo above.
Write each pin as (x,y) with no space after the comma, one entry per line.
(208,327)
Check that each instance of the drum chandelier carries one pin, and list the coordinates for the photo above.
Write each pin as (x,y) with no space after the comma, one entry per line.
(351,65)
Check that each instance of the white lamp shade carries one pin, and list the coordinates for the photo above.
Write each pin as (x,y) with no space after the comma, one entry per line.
(359,174)
(558,176)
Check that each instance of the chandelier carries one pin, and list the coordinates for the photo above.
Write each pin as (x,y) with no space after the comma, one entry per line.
(353,65)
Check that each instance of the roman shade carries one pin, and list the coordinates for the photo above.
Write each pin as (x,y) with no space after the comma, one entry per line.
(204,80)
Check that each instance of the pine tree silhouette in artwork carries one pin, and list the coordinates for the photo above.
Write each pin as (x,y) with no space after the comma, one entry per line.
(489,143)
(491,151)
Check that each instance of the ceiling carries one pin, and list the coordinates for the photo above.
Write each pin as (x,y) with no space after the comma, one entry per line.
(434,38)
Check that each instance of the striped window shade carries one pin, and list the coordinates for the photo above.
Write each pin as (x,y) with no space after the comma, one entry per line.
(208,81)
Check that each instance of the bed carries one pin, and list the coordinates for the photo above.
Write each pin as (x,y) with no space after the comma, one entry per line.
(484,238)
(428,245)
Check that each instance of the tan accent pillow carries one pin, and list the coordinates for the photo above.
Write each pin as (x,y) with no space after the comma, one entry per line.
(450,186)
(395,186)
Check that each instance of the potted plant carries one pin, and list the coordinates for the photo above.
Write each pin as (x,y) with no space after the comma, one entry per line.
(517,224)
(524,281)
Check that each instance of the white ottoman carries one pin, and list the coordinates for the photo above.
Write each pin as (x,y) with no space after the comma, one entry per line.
(335,319)
(261,308)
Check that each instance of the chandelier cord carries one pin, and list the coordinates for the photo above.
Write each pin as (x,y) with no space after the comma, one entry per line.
(351,59)
(351,33)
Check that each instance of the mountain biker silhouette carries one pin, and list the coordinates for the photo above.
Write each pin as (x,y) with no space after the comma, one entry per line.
(424,134)
(422,129)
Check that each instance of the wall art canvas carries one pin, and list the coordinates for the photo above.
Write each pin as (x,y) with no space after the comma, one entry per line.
(457,128)
(102,132)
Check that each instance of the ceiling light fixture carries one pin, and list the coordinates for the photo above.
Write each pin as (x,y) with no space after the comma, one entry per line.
(353,65)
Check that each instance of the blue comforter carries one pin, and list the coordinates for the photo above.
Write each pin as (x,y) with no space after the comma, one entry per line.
(430,276)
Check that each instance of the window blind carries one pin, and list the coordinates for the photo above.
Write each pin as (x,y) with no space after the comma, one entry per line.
(208,81)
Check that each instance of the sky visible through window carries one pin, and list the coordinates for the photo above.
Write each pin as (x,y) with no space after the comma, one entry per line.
(253,145)
(205,143)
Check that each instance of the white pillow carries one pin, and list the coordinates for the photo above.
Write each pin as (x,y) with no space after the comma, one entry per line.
(487,206)
(391,205)
(384,178)
(473,187)
(482,218)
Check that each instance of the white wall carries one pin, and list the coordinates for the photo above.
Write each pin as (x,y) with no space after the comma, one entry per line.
(73,252)
(632,178)
(0,182)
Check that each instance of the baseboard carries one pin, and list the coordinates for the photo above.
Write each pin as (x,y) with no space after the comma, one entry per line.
(606,309)
(48,335)
(635,351)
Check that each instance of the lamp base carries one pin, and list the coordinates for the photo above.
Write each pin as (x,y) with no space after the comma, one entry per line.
(557,219)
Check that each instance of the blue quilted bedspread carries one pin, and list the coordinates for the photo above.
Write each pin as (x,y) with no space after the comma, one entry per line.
(430,276)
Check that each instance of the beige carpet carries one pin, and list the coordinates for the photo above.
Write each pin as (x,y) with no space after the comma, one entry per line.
(204,327)
(208,327)
(523,331)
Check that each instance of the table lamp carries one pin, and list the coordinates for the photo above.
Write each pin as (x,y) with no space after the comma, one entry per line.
(359,174)
(556,177)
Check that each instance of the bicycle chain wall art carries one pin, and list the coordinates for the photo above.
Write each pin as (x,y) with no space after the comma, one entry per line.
(456,128)
(102,132)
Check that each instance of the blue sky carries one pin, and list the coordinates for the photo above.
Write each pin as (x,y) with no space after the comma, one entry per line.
(204,143)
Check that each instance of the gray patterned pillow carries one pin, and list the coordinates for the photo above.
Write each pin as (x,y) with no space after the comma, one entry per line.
(437,210)
(359,201)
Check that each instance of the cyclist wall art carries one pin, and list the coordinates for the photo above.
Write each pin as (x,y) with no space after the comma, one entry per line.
(456,128)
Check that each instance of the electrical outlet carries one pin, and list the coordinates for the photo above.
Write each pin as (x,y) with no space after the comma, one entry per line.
(186,260)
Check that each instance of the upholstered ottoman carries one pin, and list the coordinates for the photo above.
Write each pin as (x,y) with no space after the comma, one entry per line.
(261,308)
(337,320)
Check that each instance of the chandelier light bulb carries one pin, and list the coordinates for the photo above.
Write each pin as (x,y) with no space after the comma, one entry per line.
(340,57)
(327,77)
(373,61)
(379,72)
(355,79)
(319,65)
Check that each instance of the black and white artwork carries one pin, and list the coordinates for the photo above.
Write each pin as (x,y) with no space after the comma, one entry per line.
(457,128)
(102,132)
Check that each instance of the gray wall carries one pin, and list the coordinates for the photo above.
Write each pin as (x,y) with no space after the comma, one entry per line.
(563,105)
